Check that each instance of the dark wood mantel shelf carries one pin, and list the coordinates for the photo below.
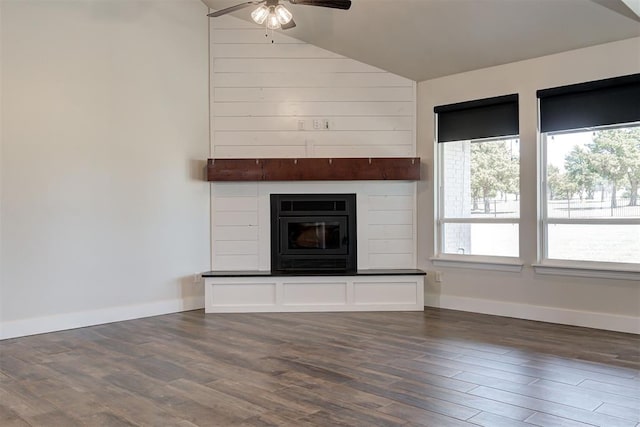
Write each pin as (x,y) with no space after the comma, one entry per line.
(314,169)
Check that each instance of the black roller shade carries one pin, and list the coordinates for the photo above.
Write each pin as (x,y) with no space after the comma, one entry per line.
(585,105)
(483,118)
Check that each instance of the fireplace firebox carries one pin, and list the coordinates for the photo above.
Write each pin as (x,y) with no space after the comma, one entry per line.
(313,232)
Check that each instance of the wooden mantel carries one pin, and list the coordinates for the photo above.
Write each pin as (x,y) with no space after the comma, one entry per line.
(314,169)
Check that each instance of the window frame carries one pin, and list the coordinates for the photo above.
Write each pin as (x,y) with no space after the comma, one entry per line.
(583,268)
(591,105)
(441,258)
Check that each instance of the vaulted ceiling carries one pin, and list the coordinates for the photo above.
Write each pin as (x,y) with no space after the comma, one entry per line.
(425,39)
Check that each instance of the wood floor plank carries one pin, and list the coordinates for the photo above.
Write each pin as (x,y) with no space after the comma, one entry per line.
(551,391)
(421,417)
(631,389)
(547,420)
(106,419)
(9,417)
(437,368)
(466,399)
(488,419)
(557,409)
(566,376)
(602,395)
(443,407)
(632,414)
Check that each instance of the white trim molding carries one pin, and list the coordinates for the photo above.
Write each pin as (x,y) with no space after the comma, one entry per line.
(563,316)
(81,319)
(584,271)
(511,265)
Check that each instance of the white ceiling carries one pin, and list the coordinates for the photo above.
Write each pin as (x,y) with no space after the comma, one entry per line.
(425,39)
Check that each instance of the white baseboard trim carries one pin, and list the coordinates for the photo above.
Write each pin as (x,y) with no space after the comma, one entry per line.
(589,319)
(81,319)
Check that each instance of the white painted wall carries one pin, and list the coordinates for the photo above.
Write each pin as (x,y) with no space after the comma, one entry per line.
(600,303)
(261,91)
(1,150)
(105,119)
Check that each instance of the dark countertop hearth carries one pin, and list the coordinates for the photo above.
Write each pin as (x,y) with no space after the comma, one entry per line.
(258,273)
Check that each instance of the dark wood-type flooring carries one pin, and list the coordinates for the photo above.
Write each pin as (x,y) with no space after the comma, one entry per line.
(437,368)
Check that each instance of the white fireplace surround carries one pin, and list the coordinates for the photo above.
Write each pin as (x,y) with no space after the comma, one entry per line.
(386,213)
(241,233)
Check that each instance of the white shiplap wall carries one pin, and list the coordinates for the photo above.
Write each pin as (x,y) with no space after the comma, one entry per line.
(261,94)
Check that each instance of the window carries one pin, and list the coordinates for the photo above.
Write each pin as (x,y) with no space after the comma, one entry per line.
(590,164)
(478,178)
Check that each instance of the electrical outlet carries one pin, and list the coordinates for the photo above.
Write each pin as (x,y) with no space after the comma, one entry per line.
(317,124)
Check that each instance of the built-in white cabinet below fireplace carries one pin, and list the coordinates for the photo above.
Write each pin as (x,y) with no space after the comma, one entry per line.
(314,293)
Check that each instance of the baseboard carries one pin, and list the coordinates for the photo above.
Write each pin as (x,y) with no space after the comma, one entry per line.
(589,319)
(61,322)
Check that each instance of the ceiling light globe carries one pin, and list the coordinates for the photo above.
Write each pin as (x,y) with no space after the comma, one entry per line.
(272,20)
(283,15)
(260,14)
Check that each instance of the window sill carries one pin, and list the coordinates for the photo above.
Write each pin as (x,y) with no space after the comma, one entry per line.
(511,265)
(576,270)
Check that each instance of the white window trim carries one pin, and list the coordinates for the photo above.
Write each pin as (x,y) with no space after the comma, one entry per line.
(591,270)
(575,268)
(478,262)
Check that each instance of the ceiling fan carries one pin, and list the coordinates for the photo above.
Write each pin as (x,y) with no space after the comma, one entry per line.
(275,14)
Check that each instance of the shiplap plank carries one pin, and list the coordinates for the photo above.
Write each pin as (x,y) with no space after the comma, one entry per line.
(392,260)
(309,79)
(236,218)
(235,262)
(272,50)
(394,188)
(391,246)
(249,35)
(230,22)
(297,65)
(305,110)
(354,94)
(350,138)
(238,247)
(385,203)
(235,232)
(387,231)
(391,217)
(235,204)
(283,123)
(264,151)
(363,151)
(235,189)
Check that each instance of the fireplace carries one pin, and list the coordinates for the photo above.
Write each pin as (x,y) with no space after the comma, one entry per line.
(313,232)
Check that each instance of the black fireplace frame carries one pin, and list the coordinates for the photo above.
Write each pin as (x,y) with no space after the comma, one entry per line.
(340,208)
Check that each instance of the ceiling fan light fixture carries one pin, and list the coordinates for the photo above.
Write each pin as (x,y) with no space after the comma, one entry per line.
(260,14)
(283,15)
(272,20)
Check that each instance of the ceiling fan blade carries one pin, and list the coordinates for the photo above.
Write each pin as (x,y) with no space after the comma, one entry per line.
(291,24)
(334,4)
(233,8)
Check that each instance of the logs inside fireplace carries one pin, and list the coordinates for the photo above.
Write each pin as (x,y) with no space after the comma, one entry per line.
(313,232)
